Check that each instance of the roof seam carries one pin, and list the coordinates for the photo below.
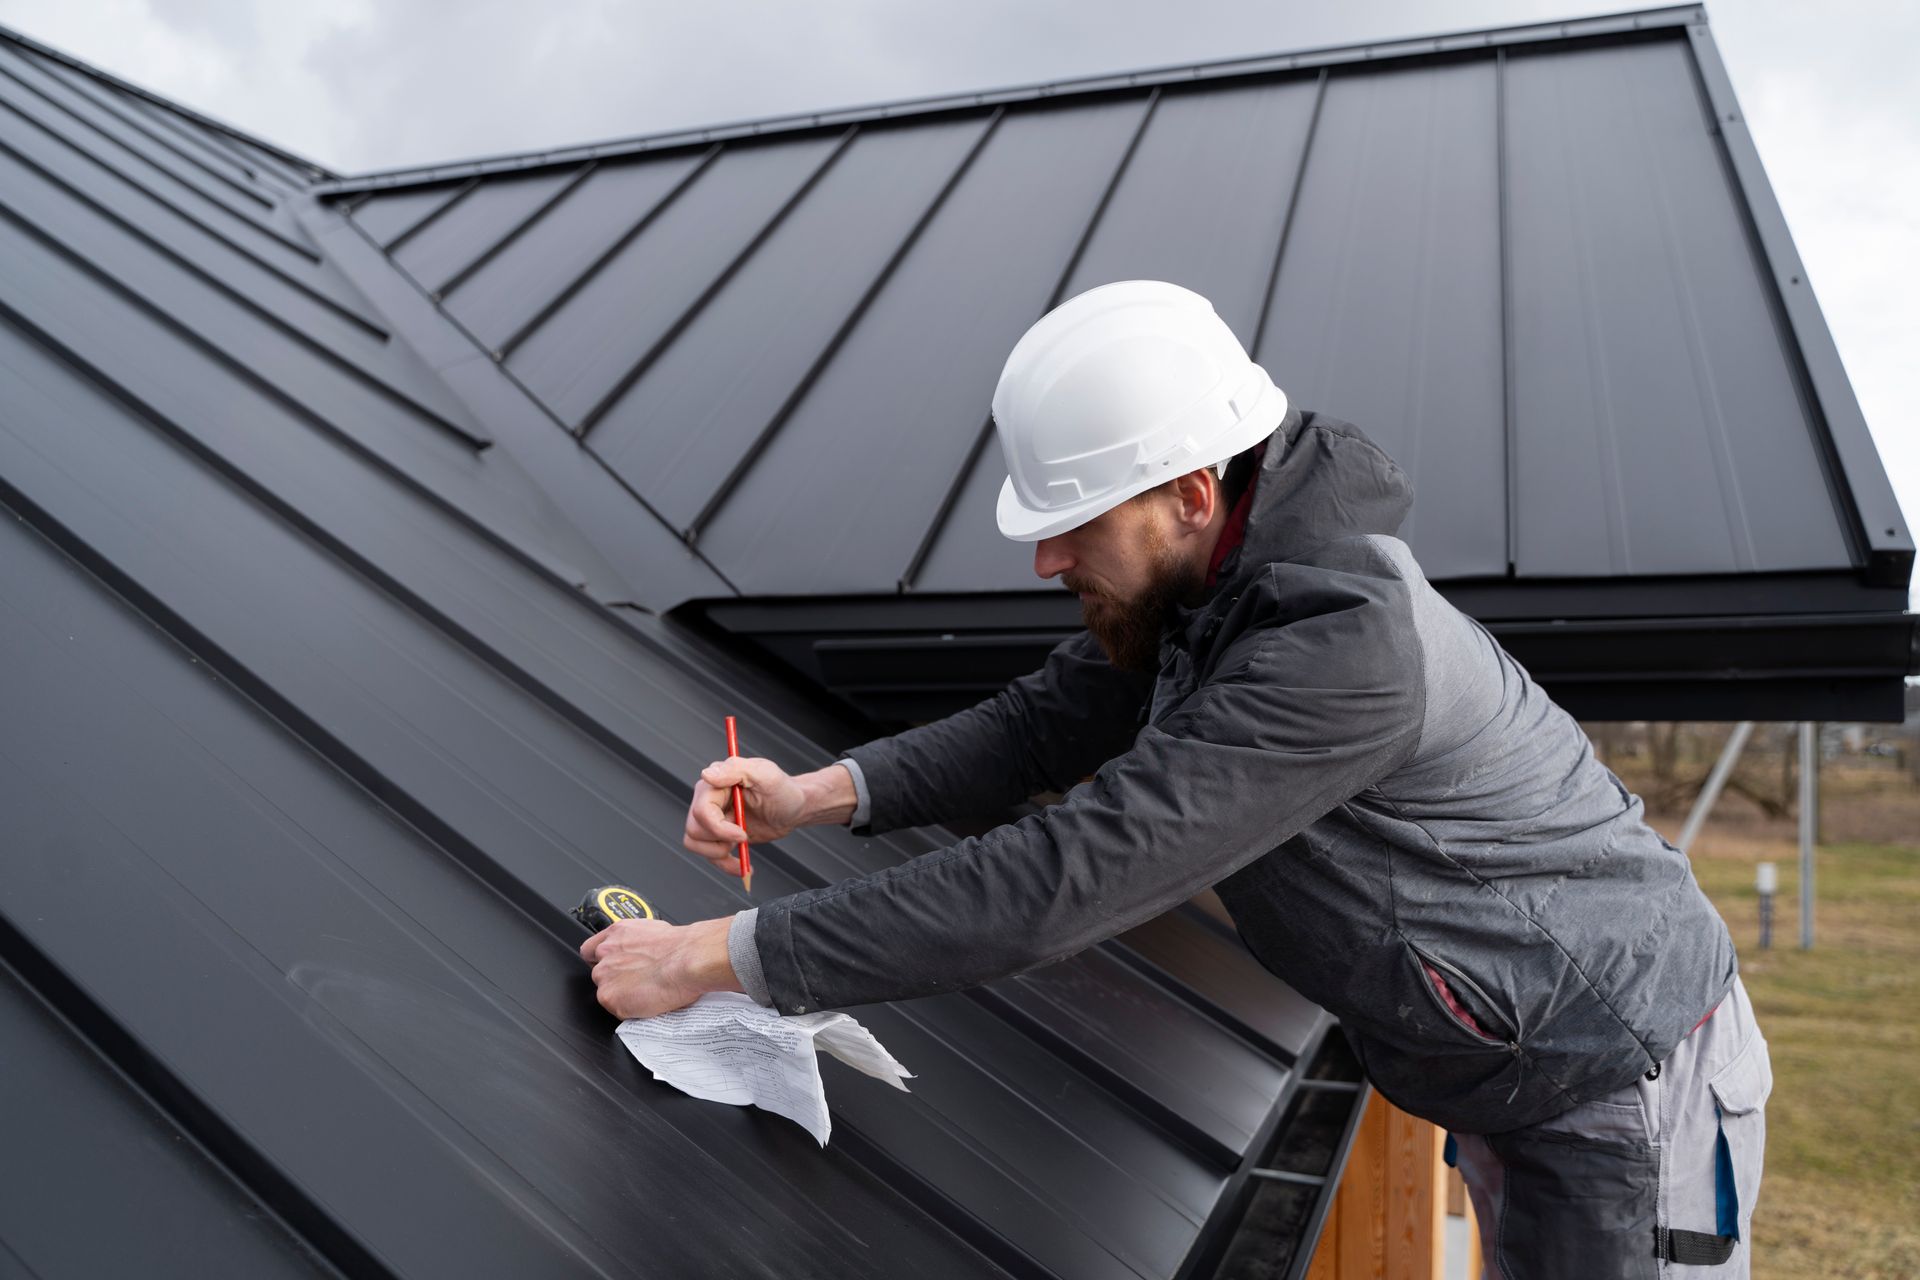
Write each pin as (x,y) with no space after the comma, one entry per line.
(114,389)
(1293,203)
(348,365)
(754,451)
(264,228)
(592,269)
(965,472)
(513,233)
(152,132)
(208,346)
(212,233)
(431,216)
(713,288)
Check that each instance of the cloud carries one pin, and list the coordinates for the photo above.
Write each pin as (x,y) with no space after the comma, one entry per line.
(359,85)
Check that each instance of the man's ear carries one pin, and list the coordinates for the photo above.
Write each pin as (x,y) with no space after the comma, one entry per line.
(1199,496)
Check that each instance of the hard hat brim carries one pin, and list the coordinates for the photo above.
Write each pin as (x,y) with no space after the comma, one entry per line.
(1021,523)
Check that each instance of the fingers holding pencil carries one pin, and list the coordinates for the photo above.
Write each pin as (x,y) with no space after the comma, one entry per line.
(740,809)
(775,805)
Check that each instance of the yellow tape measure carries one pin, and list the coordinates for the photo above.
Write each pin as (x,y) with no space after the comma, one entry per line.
(610,902)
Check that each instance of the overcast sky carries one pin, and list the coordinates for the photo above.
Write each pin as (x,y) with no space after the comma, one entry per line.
(1828,89)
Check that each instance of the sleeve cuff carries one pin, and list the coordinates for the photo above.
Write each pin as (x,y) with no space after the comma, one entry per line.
(744,954)
(863,800)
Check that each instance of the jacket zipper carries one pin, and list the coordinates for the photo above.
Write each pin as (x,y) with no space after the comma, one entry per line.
(1512,1042)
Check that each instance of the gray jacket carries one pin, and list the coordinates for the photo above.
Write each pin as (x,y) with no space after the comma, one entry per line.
(1373,785)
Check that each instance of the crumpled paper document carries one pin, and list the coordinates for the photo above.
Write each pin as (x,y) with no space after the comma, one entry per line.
(725,1048)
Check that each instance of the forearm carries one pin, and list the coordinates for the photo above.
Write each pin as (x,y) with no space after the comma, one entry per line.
(1043,732)
(830,796)
(1143,836)
(1306,717)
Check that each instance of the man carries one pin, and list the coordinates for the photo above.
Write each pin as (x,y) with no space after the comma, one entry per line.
(1272,701)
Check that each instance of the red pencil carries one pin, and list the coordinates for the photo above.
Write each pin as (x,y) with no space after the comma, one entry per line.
(740,809)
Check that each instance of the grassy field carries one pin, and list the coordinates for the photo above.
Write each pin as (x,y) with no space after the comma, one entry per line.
(1841,1196)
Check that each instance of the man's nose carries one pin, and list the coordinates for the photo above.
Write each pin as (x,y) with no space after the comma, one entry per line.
(1050,558)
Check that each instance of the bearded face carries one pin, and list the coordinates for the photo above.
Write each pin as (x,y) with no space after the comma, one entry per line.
(1128,626)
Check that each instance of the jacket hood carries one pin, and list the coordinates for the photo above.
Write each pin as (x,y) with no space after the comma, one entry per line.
(1321,479)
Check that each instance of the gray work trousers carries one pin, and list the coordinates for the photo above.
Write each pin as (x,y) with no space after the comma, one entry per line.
(1656,1180)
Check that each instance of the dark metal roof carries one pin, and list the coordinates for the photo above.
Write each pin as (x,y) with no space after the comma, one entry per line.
(310,731)
(1523,264)
(308,739)
(1541,266)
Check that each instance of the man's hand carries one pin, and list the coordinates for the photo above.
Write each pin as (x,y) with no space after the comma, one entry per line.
(646,967)
(776,805)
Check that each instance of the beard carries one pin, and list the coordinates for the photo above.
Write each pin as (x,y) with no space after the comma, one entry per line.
(1129,629)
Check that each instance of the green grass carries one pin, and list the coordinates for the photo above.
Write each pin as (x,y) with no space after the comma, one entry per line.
(1841,1195)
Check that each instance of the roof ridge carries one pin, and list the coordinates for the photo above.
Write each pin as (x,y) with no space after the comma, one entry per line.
(1621,21)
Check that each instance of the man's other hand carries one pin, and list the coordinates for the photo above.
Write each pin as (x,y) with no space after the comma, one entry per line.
(648,967)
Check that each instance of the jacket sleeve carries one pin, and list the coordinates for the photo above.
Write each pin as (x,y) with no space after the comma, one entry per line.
(1043,732)
(1300,714)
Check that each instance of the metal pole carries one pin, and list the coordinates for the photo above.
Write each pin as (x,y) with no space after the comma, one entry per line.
(1809,818)
(1767,881)
(1722,770)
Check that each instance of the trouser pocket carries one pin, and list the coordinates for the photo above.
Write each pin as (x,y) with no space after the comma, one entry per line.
(1714,1171)
(1574,1206)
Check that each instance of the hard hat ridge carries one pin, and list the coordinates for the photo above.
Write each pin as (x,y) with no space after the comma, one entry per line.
(1114,391)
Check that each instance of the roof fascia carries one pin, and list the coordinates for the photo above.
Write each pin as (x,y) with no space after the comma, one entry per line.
(1882,532)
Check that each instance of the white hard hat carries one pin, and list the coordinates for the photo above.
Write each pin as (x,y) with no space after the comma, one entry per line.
(1114,391)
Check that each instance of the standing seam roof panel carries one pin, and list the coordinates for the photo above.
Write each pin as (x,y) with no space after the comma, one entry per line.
(1549,307)
(368,387)
(80,1128)
(186,151)
(321,935)
(64,104)
(496,301)
(147,358)
(1386,310)
(81,126)
(272,178)
(1670,385)
(678,431)
(389,217)
(400,741)
(978,276)
(302,300)
(438,253)
(174,224)
(580,352)
(1234,153)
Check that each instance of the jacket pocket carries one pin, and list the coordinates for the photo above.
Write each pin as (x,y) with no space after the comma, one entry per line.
(1494,1026)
